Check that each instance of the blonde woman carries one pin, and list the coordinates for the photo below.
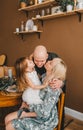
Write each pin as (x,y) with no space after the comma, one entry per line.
(42,116)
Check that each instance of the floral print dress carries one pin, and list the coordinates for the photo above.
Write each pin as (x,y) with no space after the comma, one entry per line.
(47,116)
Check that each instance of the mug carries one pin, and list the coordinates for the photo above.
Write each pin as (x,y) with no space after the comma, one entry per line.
(17,29)
(39,1)
(37,16)
(35,28)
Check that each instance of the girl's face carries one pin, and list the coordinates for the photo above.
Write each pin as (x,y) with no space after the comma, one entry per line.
(30,65)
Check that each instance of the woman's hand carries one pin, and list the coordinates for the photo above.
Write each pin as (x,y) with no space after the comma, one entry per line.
(24,114)
(56,83)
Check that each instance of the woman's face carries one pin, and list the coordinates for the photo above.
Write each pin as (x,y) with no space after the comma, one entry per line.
(30,65)
(50,64)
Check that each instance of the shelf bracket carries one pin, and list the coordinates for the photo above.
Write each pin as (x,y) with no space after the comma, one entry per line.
(38,34)
(42,23)
(79,15)
(21,36)
(27,14)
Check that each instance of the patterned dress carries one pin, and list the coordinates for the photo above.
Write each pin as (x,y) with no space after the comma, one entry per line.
(47,116)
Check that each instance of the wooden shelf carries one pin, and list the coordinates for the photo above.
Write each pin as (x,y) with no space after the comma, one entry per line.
(79,10)
(22,33)
(37,6)
(61,14)
(55,15)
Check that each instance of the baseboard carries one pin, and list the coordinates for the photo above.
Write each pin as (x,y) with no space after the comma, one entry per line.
(73,113)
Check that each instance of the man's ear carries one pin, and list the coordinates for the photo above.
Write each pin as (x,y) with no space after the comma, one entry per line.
(47,56)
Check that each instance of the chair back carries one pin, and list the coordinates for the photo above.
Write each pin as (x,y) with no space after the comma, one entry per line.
(60,110)
(3,58)
(1,71)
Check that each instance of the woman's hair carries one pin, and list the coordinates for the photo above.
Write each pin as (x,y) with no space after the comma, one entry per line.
(58,71)
(20,67)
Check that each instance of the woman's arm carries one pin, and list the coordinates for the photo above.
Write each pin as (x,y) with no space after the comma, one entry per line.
(28,114)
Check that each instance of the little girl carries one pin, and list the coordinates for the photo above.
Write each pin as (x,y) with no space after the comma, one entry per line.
(28,81)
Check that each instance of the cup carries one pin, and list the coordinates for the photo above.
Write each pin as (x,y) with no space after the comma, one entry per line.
(10,73)
(39,1)
(17,30)
(35,28)
(37,16)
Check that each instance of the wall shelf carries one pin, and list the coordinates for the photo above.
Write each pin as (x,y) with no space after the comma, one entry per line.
(48,3)
(38,6)
(61,14)
(22,33)
(55,15)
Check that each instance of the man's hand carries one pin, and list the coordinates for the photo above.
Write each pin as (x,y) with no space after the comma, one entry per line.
(56,83)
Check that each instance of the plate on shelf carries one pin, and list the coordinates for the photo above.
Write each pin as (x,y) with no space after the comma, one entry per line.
(30,24)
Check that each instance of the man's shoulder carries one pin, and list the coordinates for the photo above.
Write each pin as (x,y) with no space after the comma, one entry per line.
(52,55)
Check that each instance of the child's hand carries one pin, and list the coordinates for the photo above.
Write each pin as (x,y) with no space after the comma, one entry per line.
(24,105)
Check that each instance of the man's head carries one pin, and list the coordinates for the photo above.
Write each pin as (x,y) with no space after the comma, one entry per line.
(40,55)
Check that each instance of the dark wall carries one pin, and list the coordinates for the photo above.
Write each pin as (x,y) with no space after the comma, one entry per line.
(61,35)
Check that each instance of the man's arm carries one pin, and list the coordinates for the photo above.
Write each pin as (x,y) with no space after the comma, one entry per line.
(56,83)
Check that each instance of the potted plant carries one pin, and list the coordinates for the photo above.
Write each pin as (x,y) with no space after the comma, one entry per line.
(64,3)
(69,5)
(23,3)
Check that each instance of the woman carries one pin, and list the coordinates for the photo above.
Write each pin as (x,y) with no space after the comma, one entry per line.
(41,116)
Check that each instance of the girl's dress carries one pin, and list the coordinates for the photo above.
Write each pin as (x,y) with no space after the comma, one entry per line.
(30,95)
(47,117)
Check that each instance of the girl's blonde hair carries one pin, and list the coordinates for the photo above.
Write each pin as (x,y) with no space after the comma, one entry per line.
(58,71)
(20,68)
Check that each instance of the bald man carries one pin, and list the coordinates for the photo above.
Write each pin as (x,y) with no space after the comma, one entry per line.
(40,57)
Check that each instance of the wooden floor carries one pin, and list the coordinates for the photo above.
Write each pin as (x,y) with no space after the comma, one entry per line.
(72,123)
